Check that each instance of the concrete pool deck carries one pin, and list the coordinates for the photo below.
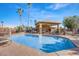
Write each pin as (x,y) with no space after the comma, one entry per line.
(13,49)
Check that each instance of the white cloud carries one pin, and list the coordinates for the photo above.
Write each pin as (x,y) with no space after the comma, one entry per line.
(58,6)
(48,16)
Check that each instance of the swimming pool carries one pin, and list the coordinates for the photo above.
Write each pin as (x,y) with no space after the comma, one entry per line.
(46,44)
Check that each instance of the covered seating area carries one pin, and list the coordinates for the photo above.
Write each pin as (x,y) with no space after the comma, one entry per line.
(47,26)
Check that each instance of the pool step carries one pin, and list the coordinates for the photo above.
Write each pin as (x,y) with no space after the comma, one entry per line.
(49,48)
(52,47)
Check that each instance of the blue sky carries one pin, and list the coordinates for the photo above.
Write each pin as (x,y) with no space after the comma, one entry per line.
(38,11)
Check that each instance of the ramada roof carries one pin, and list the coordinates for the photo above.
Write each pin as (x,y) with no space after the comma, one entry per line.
(48,22)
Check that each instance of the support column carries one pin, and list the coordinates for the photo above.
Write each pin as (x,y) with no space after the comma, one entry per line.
(40,28)
(40,35)
(58,29)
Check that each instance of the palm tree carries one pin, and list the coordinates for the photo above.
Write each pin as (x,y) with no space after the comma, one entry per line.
(35,21)
(29,6)
(20,11)
(2,23)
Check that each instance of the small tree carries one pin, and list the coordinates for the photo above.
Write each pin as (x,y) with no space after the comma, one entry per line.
(69,23)
(19,28)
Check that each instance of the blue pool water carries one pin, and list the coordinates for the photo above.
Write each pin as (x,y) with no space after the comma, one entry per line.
(46,44)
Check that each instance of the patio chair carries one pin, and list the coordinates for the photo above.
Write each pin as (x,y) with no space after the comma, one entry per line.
(4,37)
(3,40)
